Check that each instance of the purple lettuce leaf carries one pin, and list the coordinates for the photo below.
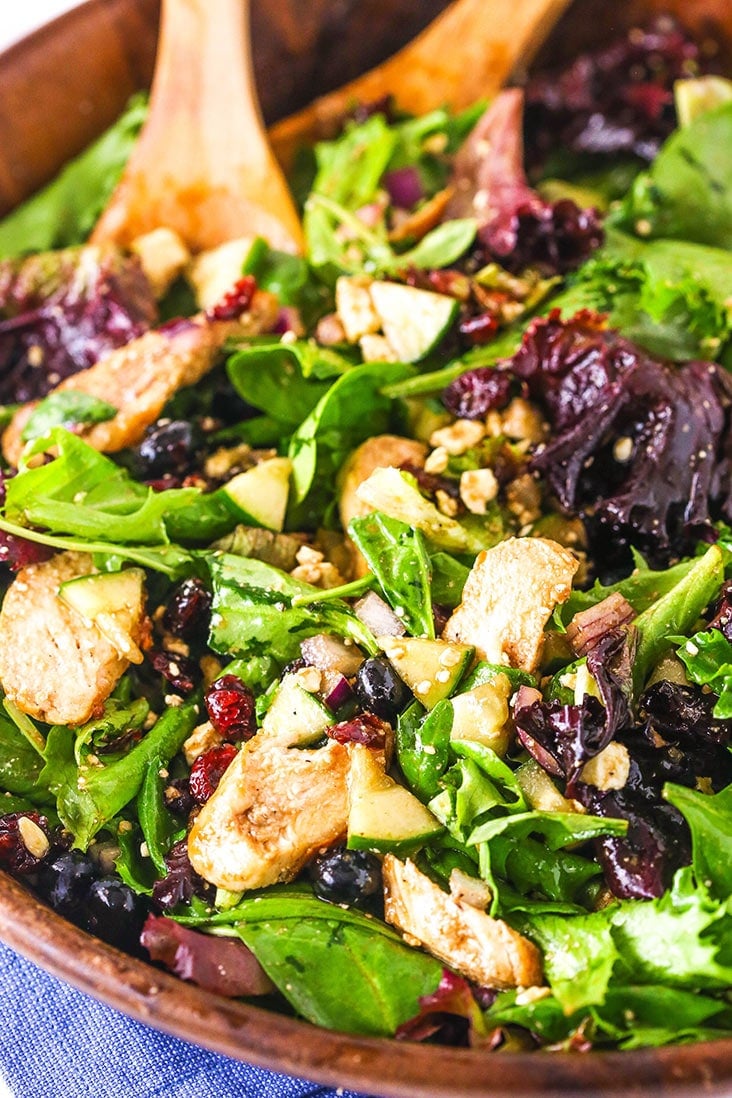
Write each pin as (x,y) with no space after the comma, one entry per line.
(617,99)
(643,450)
(222,965)
(451,1013)
(62,311)
(517,228)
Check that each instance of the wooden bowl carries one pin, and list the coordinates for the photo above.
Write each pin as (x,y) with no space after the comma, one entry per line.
(59,88)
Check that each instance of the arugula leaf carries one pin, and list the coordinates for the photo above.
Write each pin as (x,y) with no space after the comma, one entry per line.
(159,828)
(287,276)
(562,877)
(20,763)
(83,493)
(136,871)
(170,560)
(254,617)
(710,820)
(121,714)
(65,409)
(88,797)
(676,611)
(438,248)
(448,579)
(396,554)
(65,211)
(707,657)
(642,588)
(557,829)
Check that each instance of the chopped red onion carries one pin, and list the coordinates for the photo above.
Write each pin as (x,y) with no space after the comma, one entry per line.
(336,690)
(404,187)
(378,616)
(589,626)
(329,653)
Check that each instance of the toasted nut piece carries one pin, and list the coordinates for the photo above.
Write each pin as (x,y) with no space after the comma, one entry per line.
(608,770)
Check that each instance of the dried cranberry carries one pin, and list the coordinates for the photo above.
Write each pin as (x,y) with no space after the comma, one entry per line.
(477,392)
(14,854)
(235,302)
(230,707)
(365,728)
(188,610)
(182,882)
(208,770)
(477,330)
(181,672)
(18,552)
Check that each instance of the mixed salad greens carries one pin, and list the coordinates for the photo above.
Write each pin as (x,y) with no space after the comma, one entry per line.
(369,648)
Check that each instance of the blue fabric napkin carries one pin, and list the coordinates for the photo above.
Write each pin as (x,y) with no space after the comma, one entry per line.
(56,1042)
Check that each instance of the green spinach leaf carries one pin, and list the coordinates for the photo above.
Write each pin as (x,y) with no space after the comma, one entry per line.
(65,409)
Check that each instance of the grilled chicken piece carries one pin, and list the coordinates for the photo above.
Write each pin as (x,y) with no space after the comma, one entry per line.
(142,376)
(483,949)
(508,598)
(378,452)
(54,665)
(275,807)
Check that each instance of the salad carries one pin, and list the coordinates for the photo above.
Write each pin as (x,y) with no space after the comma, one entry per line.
(366,635)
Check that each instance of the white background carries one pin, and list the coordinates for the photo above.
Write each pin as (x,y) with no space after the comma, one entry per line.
(14,24)
(18,19)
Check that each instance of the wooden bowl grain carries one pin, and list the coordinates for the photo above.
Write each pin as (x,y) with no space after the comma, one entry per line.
(60,88)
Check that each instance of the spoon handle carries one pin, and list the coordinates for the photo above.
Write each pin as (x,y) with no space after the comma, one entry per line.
(465,54)
(202,165)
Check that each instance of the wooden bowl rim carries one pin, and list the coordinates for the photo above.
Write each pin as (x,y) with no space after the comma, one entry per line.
(369,1064)
(277,1042)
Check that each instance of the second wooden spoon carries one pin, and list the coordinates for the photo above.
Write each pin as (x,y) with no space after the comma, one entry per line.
(467,53)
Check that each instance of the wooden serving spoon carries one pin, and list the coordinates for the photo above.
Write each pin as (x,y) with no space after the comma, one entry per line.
(465,54)
(203,165)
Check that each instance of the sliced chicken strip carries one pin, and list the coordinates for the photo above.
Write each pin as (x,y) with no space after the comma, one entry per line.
(54,665)
(509,597)
(484,949)
(274,808)
(140,378)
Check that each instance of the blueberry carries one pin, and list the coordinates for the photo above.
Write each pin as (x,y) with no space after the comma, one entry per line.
(65,882)
(114,913)
(169,447)
(380,690)
(347,877)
